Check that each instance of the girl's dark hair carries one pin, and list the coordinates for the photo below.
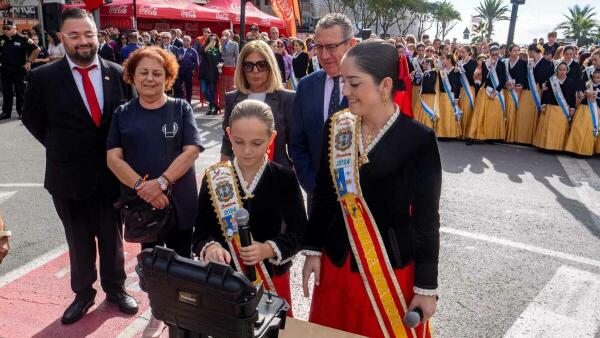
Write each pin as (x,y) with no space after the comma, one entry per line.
(54,37)
(468,50)
(450,57)
(430,62)
(534,47)
(512,45)
(569,47)
(217,42)
(377,58)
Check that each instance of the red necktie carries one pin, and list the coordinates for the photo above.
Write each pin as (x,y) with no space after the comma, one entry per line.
(90,93)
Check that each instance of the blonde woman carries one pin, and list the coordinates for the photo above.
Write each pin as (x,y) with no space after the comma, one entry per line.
(257,77)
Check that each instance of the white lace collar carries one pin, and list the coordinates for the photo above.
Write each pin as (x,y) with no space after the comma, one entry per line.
(364,152)
(249,188)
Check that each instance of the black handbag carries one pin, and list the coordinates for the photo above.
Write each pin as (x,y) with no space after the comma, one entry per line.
(143,222)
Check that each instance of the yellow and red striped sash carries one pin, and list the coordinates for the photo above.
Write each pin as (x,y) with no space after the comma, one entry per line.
(369,251)
(225,197)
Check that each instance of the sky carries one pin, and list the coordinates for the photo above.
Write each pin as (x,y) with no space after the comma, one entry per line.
(535,19)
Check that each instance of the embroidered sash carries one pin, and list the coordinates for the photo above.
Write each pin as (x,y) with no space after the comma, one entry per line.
(513,92)
(533,88)
(418,70)
(430,112)
(293,80)
(496,83)
(593,105)
(448,90)
(465,83)
(226,200)
(368,248)
(558,94)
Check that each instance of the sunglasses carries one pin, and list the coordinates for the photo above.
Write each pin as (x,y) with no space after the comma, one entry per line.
(261,66)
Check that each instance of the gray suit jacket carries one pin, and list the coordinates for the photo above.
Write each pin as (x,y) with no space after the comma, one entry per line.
(282,104)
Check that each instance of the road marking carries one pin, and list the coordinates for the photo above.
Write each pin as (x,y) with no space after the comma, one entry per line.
(21,185)
(566,307)
(138,325)
(34,264)
(522,246)
(5,195)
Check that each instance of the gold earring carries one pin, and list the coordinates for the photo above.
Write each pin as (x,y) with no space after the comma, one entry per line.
(384,99)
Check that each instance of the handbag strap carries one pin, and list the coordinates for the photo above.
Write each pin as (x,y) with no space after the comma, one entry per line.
(170,129)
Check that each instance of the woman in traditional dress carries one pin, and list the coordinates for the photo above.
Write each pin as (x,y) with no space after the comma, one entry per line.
(516,79)
(426,110)
(271,194)
(417,68)
(574,74)
(488,120)
(392,200)
(449,124)
(466,102)
(583,135)
(558,107)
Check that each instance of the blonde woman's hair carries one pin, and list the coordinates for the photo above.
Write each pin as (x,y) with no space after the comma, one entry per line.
(261,48)
(253,108)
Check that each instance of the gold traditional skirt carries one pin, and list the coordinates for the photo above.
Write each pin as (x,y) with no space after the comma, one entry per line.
(597,147)
(581,139)
(415,98)
(464,105)
(552,129)
(487,122)
(511,117)
(420,114)
(447,125)
(527,118)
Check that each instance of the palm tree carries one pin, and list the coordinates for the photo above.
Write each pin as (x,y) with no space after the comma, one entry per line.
(579,24)
(479,32)
(446,17)
(492,11)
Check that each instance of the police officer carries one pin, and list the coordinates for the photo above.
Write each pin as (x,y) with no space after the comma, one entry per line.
(188,63)
(16,55)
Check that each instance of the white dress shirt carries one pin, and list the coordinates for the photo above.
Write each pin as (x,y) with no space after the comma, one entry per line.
(96,78)
(327,95)
(257,96)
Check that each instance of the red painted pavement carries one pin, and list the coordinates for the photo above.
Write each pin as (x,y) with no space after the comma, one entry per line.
(32,305)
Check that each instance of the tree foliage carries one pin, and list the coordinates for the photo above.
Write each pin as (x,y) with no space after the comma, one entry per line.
(579,24)
(446,17)
(492,11)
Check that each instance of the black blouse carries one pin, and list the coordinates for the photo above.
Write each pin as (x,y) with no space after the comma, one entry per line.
(455,85)
(597,88)
(568,89)
(542,71)
(519,73)
(500,71)
(470,67)
(277,213)
(428,82)
(401,185)
(300,65)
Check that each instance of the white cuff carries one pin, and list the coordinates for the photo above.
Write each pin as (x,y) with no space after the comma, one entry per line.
(277,260)
(425,292)
(311,253)
(203,251)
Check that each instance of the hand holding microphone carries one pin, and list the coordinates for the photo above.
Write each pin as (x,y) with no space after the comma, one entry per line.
(421,309)
(251,252)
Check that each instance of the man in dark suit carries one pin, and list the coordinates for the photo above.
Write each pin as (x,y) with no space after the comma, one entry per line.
(318,96)
(69,106)
(105,51)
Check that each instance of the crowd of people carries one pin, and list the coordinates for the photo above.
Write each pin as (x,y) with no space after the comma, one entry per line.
(371,231)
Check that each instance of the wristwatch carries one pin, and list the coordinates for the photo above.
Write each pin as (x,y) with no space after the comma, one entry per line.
(164,185)
(5,233)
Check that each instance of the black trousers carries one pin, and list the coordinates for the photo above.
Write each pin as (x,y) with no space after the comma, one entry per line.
(86,221)
(13,83)
(184,79)
(180,241)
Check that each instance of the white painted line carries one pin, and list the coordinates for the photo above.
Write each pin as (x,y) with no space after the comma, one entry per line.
(137,326)
(5,195)
(21,185)
(522,246)
(567,307)
(34,264)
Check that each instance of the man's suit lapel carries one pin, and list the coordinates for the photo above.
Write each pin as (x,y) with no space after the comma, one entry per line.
(320,96)
(106,86)
(71,86)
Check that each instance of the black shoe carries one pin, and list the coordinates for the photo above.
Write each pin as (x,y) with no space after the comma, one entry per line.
(4,117)
(78,308)
(127,304)
(469,141)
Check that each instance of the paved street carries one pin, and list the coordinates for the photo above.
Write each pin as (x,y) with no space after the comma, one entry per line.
(520,253)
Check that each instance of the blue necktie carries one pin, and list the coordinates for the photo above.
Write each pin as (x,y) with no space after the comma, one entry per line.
(334,100)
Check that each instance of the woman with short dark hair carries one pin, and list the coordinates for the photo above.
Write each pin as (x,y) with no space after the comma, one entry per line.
(142,158)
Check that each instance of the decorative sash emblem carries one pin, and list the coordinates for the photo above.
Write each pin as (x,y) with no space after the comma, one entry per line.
(560,98)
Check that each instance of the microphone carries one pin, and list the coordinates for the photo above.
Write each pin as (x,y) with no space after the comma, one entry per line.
(413,317)
(242,217)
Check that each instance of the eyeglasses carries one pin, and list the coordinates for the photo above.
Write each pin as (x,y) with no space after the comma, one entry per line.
(331,47)
(261,66)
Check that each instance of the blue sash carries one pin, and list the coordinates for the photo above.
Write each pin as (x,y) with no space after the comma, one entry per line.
(418,70)
(315,63)
(448,89)
(593,105)
(430,112)
(293,80)
(558,94)
(512,92)
(533,87)
(496,84)
(465,83)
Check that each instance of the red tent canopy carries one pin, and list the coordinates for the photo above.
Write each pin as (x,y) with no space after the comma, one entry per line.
(253,14)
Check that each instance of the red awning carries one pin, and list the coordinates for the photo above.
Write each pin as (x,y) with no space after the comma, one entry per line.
(253,14)
(160,9)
